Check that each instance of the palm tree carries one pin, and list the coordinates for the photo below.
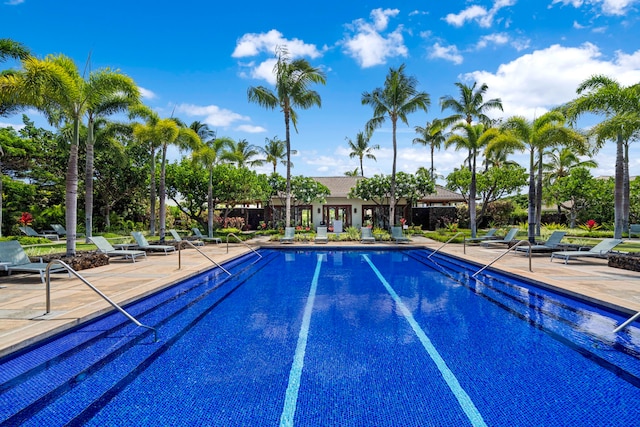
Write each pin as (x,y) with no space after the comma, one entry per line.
(354,172)
(432,135)
(242,153)
(470,105)
(10,49)
(536,136)
(111,92)
(292,91)
(275,151)
(209,154)
(474,138)
(602,95)
(55,87)
(398,98)
(361,149)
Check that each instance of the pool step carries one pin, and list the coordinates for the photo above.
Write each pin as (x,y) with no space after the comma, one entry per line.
(43,394)
(554,315)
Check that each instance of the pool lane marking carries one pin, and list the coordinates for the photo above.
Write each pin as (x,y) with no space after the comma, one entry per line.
(291,396)
(463,398)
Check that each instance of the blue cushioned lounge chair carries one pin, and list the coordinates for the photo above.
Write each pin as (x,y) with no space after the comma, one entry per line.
(600,250)
(289,234)
(397,236)
(550,245)
(12,252)
(366,236)
(143,244)
(105,247)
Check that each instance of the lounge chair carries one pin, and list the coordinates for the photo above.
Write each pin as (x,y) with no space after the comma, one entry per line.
(366,236)
(321,235)
(397,236)
(634,229)
(62,232)
(600,250)
(289,234)
(488,236)
(11,251)
(143,244)
(105,247)
(552,243)
(33,233)
(200,236)
(506,240)
(177,238)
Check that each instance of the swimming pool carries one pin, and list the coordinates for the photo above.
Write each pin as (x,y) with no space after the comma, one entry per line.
(332,337)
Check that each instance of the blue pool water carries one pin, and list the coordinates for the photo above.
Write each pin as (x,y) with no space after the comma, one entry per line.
(349,338)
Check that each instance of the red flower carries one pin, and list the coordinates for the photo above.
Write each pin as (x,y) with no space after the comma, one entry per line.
(26,218)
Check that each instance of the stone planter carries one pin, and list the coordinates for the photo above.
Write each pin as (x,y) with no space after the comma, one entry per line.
(625,261)
(82,260)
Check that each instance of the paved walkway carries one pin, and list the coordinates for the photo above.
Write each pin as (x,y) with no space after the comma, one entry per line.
(22,297)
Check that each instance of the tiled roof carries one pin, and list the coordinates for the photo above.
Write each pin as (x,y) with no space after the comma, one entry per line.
(443,195)
(339,186)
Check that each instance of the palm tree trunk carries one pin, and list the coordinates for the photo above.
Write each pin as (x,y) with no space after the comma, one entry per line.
(88,183)
(432,171)
(531,210)
(361,167)
(210,204)
(152,194)
(626,189)
(619,190)
(287,208)
(472,197)
(163,201)
(539,196)
(71,194)
(392,190)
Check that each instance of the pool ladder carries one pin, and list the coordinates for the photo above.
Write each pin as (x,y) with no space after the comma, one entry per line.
(86,282)
(186,242)
(243,242)
(520,242)
(445,244)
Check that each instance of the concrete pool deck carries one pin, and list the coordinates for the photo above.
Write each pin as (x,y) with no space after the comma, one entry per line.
(22,297)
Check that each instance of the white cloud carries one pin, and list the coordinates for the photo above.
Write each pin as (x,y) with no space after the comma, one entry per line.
(607,7)
(496,39)
(479,14)
(253,44)
(213,115)
(450,53)
(250,129)
(146,93)
(368,46)
(256,44)
(14,2)
(11,125)
(536,82)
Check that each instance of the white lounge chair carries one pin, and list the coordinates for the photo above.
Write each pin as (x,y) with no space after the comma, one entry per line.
(397,236)
(552,243)
(200,236)
(506,240)
(177,238)
(105,247)
(143,244)
(366,236)
(321,235)
(289,234)
(11,251)
(600,250)
(33,233)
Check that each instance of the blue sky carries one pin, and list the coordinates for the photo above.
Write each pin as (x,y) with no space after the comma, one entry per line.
(198,59)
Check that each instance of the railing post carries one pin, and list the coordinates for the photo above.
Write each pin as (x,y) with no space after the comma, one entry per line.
(503,254)
(445,243)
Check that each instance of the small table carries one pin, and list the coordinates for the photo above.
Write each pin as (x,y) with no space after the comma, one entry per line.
(126,246)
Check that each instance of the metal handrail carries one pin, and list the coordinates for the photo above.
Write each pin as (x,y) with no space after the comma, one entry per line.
(445,244)
(203,254)
(503,254)
(627,322)
(86,282)
(241,241)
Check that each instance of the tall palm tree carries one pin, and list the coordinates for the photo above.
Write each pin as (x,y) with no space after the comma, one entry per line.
(432,135)
(536,136)
(55,87)
(243,154)
(111,92)
(398,98)
(362,149)
(474,138)
(147,135)
(603,95)
(208,154)
(470,105)
(293,78)
(275,151)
